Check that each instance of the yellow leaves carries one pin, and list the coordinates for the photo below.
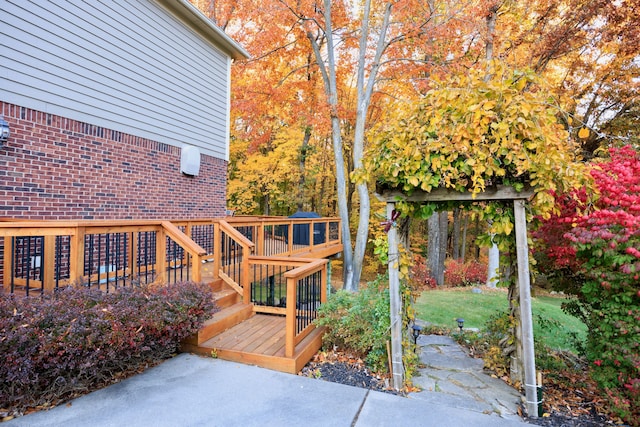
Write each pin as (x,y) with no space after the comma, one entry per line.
(502,225)
(471,133)
(425,186)
(583,133)
(488,105)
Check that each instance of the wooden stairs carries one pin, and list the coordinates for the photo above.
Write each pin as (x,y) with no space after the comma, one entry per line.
(239,334)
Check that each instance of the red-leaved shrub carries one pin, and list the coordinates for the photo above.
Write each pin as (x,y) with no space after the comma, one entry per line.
(470,273)
(78,339)
(420,276)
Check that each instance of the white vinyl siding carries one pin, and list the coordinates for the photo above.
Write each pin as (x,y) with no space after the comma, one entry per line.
(127,65)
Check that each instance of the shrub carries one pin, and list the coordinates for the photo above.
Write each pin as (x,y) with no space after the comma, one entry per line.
(360,323)
(420,277)
(605,239)
(79,339)
(607,242)
(457,273)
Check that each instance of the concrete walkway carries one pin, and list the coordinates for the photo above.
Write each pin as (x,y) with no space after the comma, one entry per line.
(190,390)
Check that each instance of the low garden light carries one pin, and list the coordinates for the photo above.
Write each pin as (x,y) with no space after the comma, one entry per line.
(415,331)
(460,321)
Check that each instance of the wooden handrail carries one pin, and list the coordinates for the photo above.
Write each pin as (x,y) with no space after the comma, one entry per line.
(236,235)
(279,260)
(310,267)
(183,240)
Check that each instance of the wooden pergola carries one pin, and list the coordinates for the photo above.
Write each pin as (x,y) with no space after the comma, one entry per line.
(499,193)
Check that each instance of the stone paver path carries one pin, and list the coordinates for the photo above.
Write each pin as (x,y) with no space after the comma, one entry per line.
(453,378)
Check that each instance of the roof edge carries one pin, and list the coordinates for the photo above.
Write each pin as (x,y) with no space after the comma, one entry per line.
(191,15)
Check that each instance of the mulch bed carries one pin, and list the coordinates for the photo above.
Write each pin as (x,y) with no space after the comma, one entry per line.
(344,368)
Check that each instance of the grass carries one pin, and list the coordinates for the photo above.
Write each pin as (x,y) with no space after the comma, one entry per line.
(554,327)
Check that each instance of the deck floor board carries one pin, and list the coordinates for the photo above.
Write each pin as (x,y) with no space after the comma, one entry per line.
(250,335)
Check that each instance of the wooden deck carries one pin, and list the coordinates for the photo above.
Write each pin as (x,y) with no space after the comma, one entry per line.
(259,340)
(235,259)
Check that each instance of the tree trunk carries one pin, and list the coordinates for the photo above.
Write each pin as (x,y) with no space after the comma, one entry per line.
(404,224)
(491,28)
(516,365)
(436,264)
(513,348)
(444,235)
(477,252)
(328,72)
(493,275)
(465,226)
(364,90)
(455,239)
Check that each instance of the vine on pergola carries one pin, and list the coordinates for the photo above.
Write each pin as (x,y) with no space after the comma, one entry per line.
(492,126)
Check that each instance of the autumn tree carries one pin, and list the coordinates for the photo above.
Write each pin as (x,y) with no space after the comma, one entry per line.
(369,41)
(588,53)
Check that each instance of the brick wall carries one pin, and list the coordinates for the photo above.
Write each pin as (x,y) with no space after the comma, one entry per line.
(56,168)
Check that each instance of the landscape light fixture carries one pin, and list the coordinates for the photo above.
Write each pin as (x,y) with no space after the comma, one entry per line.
(415,330)
(4,131)
(460,321)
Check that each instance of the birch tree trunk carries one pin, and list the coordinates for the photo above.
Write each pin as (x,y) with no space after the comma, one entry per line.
(328,72)
(353,261)
(364,88)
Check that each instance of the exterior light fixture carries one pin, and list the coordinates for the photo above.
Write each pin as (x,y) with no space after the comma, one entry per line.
(4,131)
(460,321)
(415,331)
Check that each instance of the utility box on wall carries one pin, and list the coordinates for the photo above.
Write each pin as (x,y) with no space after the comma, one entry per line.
(190,160)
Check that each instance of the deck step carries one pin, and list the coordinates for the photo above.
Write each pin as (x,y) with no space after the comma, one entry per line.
(226,298)
(218,285)
(220,322)
(260,341)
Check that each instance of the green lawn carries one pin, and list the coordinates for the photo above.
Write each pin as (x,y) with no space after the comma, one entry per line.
(443,307)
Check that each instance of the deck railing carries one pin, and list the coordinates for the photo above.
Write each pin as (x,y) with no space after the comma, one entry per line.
(275,236)
(41,256)
(306,291)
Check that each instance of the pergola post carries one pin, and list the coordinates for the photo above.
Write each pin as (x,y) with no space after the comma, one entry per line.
(522,251)
(397,369)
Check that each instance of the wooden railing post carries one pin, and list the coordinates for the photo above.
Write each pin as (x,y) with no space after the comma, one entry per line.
(290,242)
(48,263)
(76,256)
(326,232)
(245,279)
(8,262)
(217,249)
(185,255)
(132,250)
(324,284)
(260,240)
(290,319)
(161,255)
